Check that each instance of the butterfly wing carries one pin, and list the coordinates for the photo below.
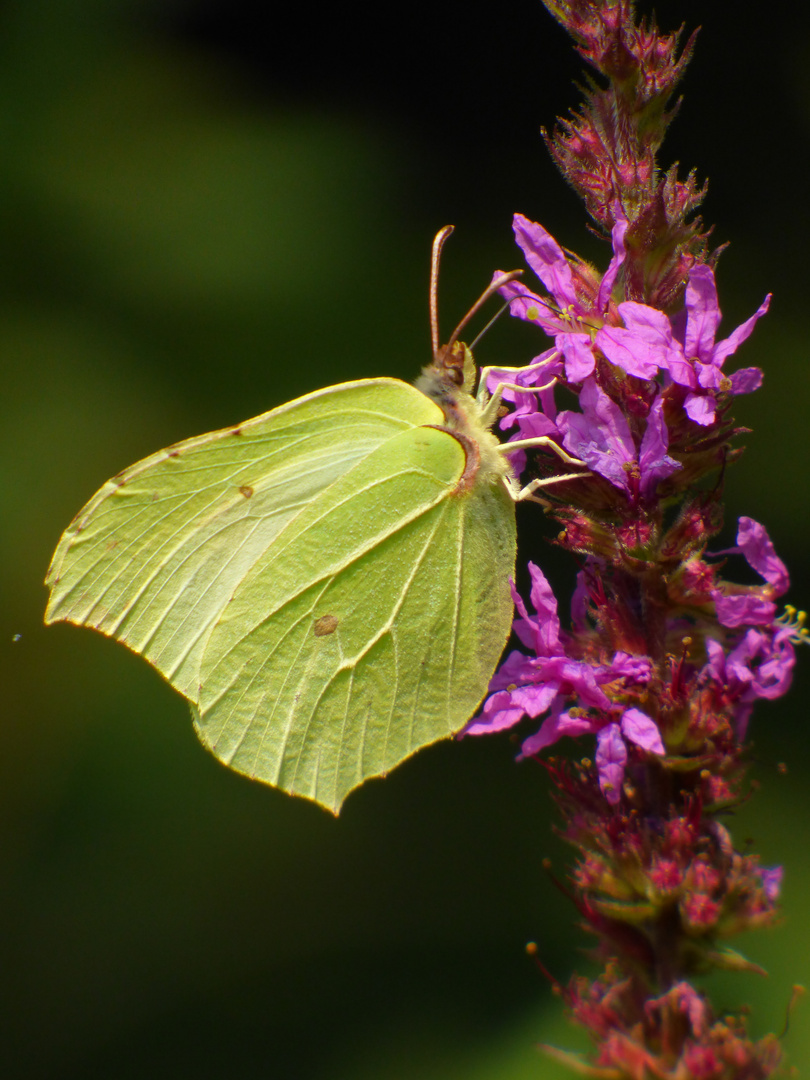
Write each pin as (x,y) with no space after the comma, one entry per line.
(158,552)
(371,628)
(314,581)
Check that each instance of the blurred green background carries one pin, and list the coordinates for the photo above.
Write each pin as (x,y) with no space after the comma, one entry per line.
(206,209)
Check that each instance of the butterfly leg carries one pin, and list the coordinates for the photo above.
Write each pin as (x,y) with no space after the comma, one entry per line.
(526,493)
(490,403)
(518,493)
(540,440)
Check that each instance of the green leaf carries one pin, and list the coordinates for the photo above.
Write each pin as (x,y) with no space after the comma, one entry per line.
(327,584)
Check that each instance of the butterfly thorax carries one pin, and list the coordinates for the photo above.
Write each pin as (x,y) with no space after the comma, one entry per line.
(450,381)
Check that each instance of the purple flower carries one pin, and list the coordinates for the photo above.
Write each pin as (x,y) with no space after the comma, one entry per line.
(530,685)
(760,665)
(544,369)
(567,317)
(611,742)
(763,661)
(685,348)
(699,361)
(611,749)
(601,437)
(611,758)
(548,680)
(538,378)
(771,881)
(752,607)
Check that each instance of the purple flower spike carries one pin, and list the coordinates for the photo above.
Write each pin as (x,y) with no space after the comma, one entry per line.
(656,665)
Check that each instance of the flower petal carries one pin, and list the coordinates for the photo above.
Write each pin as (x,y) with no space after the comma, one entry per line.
(545,256)
(600,435)
(655,464)
(643,345)
(771,881)
(746,380)
(756,546)
(641,730)
(701,408)
(730,345)
(498,714)
(619,253)
(611,758)
(553,729)
(703,313)
(547,621)
(578,352)
(526,305)
(744,609)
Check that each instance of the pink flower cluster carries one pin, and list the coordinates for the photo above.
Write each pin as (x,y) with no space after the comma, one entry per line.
(751,657)
(665,655)
(636,373)
(680,353)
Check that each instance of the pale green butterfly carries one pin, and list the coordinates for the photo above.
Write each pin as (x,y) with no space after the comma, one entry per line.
(327,583)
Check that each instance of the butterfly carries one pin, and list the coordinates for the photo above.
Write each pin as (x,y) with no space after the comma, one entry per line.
(327,584)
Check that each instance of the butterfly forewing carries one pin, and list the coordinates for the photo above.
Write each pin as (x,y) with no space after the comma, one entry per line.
(158,552)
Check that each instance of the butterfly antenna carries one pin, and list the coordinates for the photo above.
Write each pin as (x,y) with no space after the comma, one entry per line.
(494,319)
(494,285)
(438,244)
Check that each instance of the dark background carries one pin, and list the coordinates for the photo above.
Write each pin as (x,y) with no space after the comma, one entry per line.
(208,209)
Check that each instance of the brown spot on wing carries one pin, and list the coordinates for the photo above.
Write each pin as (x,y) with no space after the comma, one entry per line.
(327,624)
(246,490)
